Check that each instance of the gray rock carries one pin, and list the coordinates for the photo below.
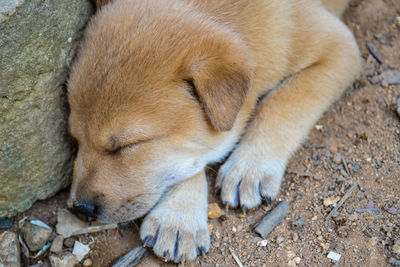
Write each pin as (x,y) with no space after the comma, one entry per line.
(57,244)
(9,250)
(35,236)
(64,260)
(67,223)
(37,39)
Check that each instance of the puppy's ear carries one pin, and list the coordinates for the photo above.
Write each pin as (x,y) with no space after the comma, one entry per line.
(222,75)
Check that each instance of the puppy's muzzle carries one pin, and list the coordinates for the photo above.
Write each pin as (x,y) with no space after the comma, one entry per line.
(86,208)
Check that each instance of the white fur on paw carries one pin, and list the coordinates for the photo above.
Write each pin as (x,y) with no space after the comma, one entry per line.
(176,235)
(248,178)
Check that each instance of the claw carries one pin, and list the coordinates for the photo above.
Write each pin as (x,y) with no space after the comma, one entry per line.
(237,198)
(202,250)
(166,255)
(176,248)
(244,209)
(146,241)
(268,200)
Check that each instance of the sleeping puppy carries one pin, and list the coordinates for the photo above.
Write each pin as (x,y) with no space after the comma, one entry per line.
(161,89)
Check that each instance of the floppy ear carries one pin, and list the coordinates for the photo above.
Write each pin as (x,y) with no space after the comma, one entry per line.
(222,76)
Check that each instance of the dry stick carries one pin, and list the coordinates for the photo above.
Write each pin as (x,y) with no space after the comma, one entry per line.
(93,229)
(345,165)
(340,203)
(236,258)
(134,257)
(373,53)
(272,219)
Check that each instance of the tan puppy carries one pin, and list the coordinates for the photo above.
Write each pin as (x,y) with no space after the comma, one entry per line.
(160,89)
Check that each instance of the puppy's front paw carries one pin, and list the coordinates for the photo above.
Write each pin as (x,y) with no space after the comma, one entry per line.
(176,235)
(249,176)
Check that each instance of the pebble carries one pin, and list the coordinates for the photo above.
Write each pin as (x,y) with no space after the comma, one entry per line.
(57,244)
(69,242)
(80,250)
(297,260)
(35,236)
(262,243)
(210,228)
(9,249)
(291,254)
(334,256)
(330,201)
(234,229)
(279,240)
(87,262)
(396,247)
(295,237)
(291,263)
(67,223)
(64,260)
(337,158)
(214,211)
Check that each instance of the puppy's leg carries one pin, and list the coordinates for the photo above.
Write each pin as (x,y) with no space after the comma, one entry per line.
(330,62)
(177,227)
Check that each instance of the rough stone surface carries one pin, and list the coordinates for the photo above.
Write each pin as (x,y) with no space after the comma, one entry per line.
(35,236)
(9,250)
(37,39)
(57,244)
(64,260)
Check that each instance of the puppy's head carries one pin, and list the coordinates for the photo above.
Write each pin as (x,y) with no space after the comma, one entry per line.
(153,96)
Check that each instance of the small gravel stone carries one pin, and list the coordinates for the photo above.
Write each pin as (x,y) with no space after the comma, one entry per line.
(337,158)
(262,243)
(9,249)
(279,240)
(291,263)
(69,242)
(57,244)
(291,254)
(87,263)
(396,247)
(64,260)
(35,236)
(295,237)
(297,260)
(214,211)
(330,201)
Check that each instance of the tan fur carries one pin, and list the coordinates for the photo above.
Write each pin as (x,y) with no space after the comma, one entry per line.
(160,89)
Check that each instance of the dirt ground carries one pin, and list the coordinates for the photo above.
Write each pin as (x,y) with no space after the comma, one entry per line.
(356,142)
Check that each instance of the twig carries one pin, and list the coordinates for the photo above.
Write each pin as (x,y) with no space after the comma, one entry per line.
(133,257)
(93,229)
(374,53)
(340,203)
(239,263)
(345,165)
(272,219)
(367,210)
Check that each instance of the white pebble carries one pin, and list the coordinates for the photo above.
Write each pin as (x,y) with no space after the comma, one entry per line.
(334,256)
(69,40)
(262,243)
(80,250)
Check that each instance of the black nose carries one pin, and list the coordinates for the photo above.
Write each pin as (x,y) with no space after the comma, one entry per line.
(86,208)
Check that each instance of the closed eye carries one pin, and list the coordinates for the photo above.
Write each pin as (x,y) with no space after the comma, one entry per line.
(118,149)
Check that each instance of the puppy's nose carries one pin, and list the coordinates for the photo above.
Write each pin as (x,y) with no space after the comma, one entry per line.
(86,208)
